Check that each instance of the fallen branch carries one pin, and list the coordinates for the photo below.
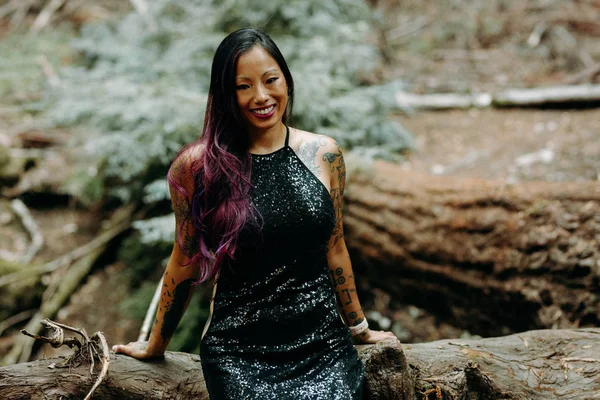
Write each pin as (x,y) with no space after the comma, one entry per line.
(552,95)
(15,319)
(441,101)
(150,313)
(20,13)
(45,15)
(547,95)
(48,71)
(408,29)
(9,8)
(101,240)
(589,75)
(534,365)
(37,239)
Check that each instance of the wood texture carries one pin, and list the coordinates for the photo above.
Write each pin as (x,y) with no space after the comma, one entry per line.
(489,257)
(535,365)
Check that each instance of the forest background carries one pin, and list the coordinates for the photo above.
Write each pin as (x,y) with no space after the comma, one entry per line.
(97,97)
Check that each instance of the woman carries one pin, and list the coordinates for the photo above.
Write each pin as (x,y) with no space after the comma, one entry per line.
(258,209)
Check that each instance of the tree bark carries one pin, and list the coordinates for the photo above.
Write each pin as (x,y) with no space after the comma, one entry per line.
(486,256)
(557,364)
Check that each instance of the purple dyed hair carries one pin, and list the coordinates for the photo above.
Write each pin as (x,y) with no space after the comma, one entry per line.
(221,200)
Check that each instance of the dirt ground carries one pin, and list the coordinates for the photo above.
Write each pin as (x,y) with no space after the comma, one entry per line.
(510,145)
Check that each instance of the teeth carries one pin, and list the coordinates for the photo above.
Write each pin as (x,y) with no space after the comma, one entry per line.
(265,111)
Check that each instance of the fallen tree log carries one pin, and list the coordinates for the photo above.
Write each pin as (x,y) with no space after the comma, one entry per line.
(547,364)
(528,97)
(486,256)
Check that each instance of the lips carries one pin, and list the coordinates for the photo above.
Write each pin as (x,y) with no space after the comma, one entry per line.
(264,112)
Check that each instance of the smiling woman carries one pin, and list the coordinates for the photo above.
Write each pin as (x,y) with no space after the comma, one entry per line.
(258,209)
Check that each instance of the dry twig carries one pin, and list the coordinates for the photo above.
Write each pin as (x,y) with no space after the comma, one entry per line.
(9,8)
(15,319)
(89,348)
(37,239)
(45,15)
(146,326)
(48,70)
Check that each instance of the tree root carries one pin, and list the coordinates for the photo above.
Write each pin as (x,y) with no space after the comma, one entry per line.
(90,348)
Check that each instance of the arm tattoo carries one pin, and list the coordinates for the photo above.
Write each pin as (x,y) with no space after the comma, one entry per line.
(175,308)
(348,298)
(336,163)
(183,219)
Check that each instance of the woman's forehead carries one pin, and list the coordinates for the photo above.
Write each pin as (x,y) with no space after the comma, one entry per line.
(256,61)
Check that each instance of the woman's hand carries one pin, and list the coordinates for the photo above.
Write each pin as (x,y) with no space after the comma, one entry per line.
(137,350)
(369,336)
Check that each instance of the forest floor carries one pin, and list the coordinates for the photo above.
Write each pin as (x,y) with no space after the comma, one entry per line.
(467,49)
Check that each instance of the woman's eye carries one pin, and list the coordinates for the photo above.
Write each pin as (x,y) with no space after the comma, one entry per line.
(271,80)
(241,87)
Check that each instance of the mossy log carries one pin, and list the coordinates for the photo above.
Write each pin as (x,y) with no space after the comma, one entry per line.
(544,364)
(486,256)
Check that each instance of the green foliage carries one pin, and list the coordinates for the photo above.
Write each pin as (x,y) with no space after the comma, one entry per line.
(189,331)
(144,259)
(21,56)
(136,305)
(86,184)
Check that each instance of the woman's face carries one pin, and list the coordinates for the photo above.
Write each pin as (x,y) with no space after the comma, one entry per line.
(261,89)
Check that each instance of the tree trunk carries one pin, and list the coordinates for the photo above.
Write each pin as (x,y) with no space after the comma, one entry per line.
(555,364)
(487,256)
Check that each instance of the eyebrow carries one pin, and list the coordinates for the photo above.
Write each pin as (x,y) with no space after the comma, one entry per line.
(266,72)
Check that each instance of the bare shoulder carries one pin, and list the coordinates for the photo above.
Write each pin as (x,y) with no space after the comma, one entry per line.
(181,168)
(188,155)
(318,152)
(302,139)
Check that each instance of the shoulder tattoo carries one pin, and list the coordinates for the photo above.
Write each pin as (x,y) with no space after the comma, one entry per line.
(308,154)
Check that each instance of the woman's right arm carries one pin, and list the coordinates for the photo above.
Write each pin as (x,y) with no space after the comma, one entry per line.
(178,279)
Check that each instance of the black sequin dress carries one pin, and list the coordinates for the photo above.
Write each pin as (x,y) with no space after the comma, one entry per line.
(275,332)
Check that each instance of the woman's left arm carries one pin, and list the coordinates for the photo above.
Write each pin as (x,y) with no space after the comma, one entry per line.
(340,267)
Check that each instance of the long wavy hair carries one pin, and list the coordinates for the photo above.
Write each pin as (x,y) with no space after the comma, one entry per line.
(220,206)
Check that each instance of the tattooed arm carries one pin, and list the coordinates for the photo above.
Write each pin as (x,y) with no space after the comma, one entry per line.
(340,267)
(178,279)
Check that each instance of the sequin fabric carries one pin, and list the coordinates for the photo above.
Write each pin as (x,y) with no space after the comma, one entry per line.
(275,332)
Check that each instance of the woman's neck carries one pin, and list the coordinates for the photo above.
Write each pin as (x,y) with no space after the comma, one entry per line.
(267,141)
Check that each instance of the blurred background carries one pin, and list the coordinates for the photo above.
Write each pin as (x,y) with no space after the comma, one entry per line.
(96,98)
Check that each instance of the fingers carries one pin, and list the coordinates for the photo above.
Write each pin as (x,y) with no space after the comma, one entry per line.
(128,350)
(377,336)
(123,349)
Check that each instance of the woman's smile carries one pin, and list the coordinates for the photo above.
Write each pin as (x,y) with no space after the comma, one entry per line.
(265,112)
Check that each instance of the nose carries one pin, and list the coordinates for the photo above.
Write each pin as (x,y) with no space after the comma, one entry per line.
(261,95)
